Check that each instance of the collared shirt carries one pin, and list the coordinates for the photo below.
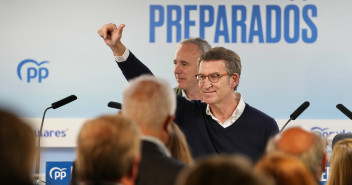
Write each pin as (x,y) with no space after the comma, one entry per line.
(156,141)
(235,115)
(184,94)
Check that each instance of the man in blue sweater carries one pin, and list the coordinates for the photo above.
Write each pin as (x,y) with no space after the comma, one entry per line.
(223,123)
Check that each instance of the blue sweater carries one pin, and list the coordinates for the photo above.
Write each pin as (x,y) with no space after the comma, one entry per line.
(248,135)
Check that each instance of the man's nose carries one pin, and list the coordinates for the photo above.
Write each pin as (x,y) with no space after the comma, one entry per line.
(178,68)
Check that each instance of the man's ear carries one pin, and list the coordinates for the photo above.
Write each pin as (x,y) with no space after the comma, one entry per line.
(131,176)
(235,77)
(167,124)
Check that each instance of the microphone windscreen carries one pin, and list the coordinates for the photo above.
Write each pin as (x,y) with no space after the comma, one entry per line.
(344,110)
(115,105)
(299,110)
(63,101)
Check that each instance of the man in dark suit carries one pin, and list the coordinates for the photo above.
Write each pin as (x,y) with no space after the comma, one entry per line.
(150,103)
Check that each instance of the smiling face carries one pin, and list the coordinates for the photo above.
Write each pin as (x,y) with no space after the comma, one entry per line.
(185,66)
(221,91)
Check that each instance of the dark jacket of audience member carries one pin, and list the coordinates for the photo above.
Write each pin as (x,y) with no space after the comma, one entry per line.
(341,163)
(17,150)
(150,103)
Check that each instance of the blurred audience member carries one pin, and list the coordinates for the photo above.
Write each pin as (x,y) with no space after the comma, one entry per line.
(150,103)
(108,151)
(285,170)
(340,137)
(307,146)
(17,150)
(220,170)
(178,146)
(341,163)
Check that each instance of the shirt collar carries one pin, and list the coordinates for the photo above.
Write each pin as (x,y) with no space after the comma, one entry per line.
(184,94)
(236,113)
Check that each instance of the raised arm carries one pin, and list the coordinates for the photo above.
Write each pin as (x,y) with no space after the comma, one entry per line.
(132,67)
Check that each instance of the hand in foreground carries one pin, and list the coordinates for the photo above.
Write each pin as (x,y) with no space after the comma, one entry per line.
(112,37)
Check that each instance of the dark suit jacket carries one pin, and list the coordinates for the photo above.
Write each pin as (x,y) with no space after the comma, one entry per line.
(156,168)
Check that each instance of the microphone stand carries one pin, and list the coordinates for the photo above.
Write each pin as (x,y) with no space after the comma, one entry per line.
(37,179)
(285,125)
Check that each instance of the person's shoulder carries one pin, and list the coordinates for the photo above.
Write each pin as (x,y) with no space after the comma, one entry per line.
(258,113)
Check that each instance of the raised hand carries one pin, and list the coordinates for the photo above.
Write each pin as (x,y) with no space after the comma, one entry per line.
(112,37)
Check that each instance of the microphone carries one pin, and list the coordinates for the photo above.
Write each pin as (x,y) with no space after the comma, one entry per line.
(63,102)
(115,105)
(344,110)
(296,113)
(54,105)
(299,110)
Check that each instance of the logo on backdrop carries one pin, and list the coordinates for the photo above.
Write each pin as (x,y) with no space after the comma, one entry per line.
(324,132)
(58,172)
(32,70)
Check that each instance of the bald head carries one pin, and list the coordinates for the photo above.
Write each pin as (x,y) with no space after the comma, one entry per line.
(306,146)
(295,141)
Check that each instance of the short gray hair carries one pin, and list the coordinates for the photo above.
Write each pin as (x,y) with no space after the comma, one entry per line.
(203,45)
(148,100)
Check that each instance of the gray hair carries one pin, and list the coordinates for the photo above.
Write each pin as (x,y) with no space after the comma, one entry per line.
(203,45)
(148,100)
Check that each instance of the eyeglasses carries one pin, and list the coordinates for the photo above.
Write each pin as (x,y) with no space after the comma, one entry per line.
(213,78)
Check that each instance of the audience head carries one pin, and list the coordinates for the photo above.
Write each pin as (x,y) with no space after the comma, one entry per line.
(108,150)
(232,60)
(340,137)
(17,143)
(285,170)
(186,57)
(307,146)
(151,103)
(178,146)
(341,163)
(219,169)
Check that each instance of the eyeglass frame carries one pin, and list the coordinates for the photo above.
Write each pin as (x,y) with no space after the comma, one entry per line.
(218,76)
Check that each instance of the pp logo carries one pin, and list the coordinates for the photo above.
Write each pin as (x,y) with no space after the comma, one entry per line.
(33,70)
(58,173)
